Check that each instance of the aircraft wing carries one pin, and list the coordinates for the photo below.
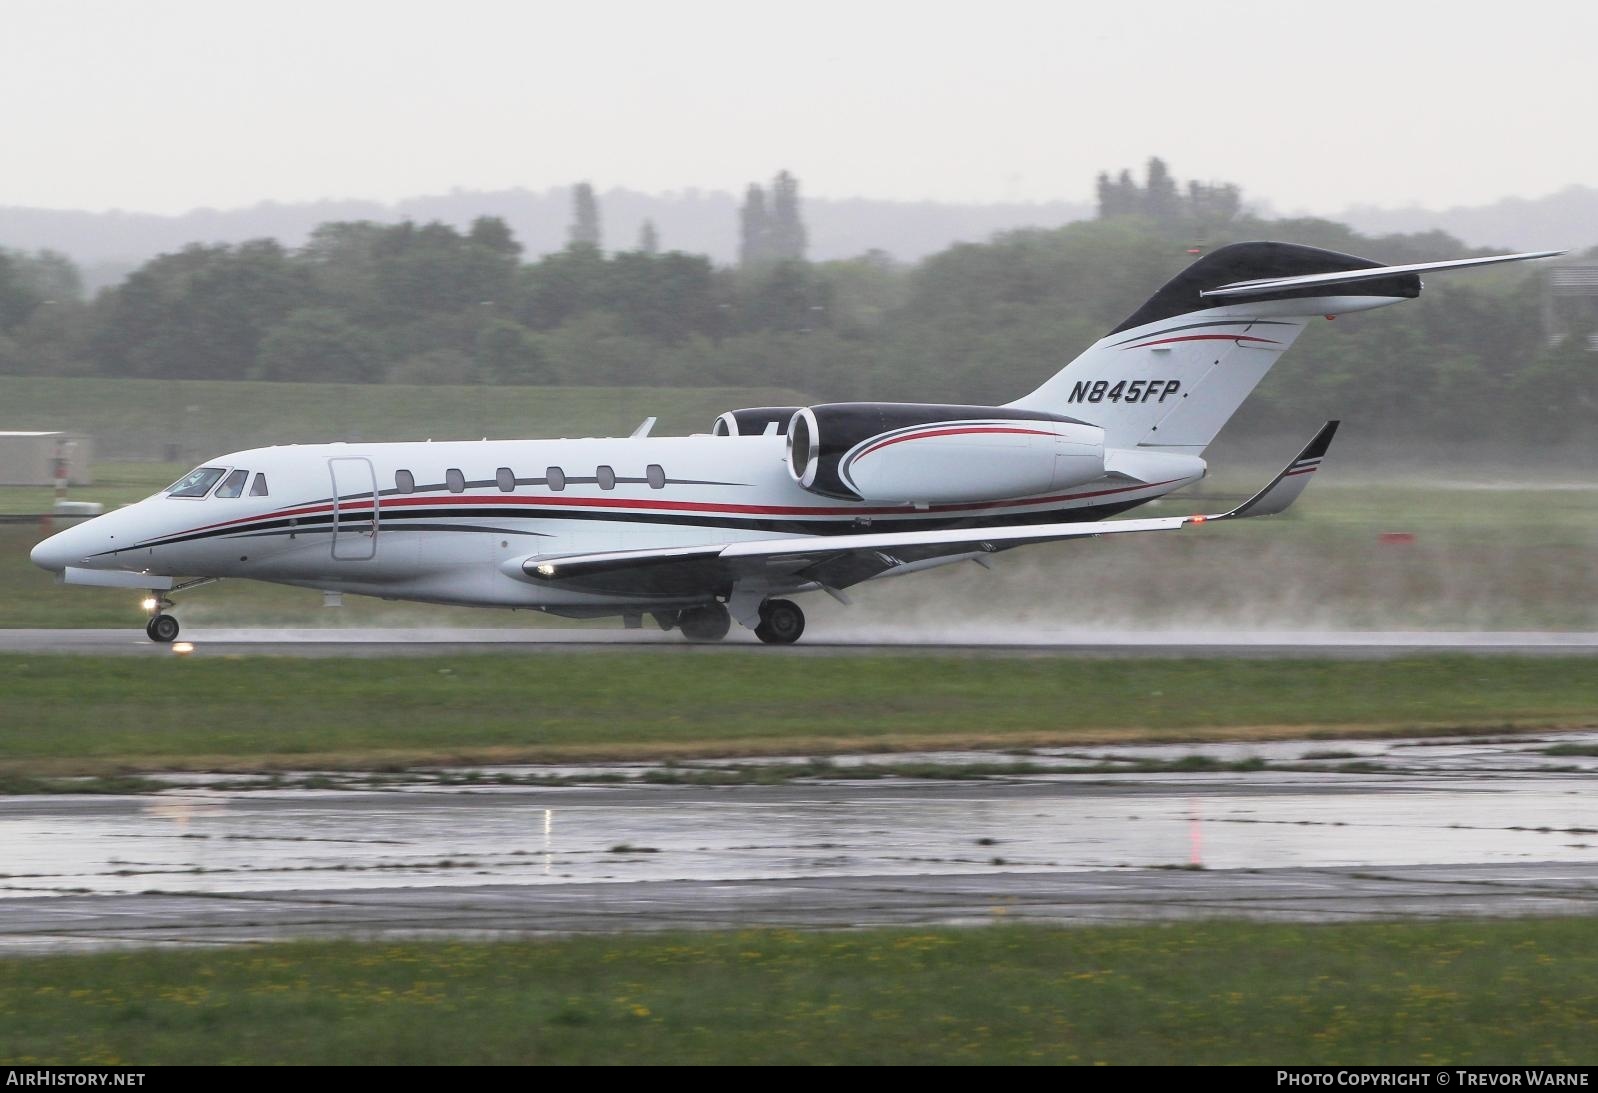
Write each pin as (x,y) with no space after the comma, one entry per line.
(838,561)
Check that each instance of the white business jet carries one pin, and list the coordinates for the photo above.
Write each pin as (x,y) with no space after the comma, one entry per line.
(697,532)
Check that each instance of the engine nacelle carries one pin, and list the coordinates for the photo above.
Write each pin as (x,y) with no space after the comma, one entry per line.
(755,421)
(911,453)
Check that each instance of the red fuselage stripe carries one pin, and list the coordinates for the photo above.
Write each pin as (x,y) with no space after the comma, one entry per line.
(951,432)
(1206,338)
(502,500)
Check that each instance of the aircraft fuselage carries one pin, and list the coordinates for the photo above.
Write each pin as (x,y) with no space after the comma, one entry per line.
(455,520)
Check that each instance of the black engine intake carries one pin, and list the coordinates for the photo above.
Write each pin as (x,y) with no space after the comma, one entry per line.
(754,421)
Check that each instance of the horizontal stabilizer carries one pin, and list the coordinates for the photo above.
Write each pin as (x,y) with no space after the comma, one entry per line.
(1341,277)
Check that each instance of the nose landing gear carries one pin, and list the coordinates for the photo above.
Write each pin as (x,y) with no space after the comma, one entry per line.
(162,628)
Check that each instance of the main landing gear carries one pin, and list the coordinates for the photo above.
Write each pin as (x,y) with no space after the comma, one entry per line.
(781,622)
(708,623)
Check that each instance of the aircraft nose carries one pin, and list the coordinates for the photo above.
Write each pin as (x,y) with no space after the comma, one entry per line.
(55,553)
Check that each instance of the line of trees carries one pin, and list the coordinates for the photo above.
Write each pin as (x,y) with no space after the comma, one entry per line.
(429,304)
(1198,205)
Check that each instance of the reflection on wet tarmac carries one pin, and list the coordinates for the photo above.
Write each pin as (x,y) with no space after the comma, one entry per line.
(1426,802)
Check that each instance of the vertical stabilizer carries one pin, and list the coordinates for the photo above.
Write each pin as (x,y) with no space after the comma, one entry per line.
(1174,373)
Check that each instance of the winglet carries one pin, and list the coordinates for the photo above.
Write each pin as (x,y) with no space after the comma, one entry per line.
(1286,486)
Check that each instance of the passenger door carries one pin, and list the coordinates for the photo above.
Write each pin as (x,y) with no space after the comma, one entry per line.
(355,508)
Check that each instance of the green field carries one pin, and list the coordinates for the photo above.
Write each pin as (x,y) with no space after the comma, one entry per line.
(102,715)
(1522,992)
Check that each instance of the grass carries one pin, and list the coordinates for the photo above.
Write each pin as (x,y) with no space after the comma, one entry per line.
(702,773)
(106,715)
(16,783)
(1571,749)
(1394,994)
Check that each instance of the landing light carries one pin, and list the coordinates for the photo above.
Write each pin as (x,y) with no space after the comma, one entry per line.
(1197,519)
(182,648)
(149,603)
(546,570)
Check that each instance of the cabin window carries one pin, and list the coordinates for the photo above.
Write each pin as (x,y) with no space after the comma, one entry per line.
(556,478)
(455,480)
(233,484)
(197,483)
(404,482)
(506,479)
(606,478)
(258,487)
(657,476)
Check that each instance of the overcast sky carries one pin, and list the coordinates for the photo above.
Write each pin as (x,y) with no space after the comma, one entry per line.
(164,106)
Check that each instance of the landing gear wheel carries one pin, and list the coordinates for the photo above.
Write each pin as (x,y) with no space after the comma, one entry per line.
(781,622)
(708,623)
(162,628)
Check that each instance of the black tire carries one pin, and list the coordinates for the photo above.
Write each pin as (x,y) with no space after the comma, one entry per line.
(708,623)
(162,628)
(781,622)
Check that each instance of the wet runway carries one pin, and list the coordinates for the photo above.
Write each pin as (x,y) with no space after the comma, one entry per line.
(1430,828)
(1343,644)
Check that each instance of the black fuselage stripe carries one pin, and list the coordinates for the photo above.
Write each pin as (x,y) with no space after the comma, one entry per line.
(326,529)
(786,525)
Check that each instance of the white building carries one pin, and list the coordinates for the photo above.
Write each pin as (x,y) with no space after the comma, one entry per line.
(29,458)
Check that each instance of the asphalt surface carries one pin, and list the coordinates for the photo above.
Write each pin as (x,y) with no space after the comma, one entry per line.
(211,641)
(1421,829)
(509,911)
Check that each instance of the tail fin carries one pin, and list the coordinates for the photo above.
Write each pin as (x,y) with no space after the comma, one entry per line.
(1172,374)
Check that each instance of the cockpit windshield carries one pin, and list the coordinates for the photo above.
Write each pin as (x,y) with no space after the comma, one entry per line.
(197,483)
(233,484)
